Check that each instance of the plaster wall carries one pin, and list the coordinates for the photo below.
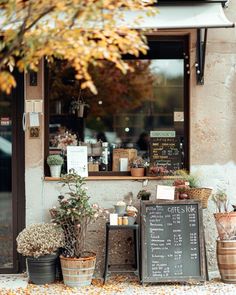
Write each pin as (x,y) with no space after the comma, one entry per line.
(212,147)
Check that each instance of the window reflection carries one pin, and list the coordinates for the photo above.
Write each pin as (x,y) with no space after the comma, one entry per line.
(126,108)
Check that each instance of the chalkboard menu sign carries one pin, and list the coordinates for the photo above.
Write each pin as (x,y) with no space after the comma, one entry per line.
(172,241)
(165,151)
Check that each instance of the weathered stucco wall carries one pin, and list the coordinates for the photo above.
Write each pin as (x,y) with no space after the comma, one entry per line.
(213,117)
(212,149)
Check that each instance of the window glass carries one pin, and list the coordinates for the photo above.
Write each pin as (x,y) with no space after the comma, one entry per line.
(6,197)
(125,110)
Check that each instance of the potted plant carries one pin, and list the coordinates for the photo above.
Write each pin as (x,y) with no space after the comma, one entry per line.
(40,243)
(144,195)
(226,242)
(80,106)
(189,187)
(225,219)
(55,163)
(120,208)
(74,214)
(137,167)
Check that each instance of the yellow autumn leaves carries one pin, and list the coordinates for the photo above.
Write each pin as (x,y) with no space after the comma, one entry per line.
(82,32)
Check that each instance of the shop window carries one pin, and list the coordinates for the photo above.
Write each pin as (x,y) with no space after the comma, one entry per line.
(127,107)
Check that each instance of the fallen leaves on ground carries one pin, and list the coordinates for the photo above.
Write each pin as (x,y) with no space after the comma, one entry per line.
(128,285)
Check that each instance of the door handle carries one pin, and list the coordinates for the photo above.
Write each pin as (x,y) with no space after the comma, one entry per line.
(24,122)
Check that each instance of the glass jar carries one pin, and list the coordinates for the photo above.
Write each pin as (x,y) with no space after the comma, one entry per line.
(120,221)
(125,220)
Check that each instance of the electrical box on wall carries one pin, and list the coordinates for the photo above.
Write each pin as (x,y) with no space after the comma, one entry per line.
(34,105)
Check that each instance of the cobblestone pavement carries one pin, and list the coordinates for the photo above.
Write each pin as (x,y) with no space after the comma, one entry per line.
(119,285)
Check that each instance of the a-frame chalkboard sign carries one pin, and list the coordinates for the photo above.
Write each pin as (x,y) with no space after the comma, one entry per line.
(172,241)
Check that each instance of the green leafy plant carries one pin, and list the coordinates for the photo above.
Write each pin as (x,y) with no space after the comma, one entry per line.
(192,178)
(40,239)
(55,160)
(74,214)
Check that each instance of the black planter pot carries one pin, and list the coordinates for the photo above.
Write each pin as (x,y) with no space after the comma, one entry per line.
(42,270)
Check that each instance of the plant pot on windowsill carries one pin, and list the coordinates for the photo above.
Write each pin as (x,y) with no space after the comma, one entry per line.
(55,163)
(55,170)
(137,172)
(137,167)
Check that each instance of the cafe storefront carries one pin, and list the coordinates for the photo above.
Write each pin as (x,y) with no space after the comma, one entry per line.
(184,86)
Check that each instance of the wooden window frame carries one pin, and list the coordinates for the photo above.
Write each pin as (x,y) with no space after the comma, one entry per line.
(184,39)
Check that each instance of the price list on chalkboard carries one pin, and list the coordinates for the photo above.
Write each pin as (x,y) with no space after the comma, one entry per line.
(165,151)
(172,242)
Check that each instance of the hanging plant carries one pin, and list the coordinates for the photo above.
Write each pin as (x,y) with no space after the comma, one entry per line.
(79,106)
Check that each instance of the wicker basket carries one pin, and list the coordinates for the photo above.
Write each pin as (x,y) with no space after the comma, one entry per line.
(201,194)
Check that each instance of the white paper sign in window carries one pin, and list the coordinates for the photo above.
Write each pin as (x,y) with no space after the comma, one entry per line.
(178,116)
(77,159)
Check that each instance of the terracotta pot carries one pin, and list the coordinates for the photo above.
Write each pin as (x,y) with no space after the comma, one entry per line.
(225,224)
(137,172)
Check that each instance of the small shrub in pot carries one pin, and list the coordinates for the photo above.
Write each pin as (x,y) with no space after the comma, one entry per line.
(55,162)
(40,243)
(137,166)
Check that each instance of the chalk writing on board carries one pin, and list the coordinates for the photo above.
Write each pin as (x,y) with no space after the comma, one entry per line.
(173,242)
(165,151)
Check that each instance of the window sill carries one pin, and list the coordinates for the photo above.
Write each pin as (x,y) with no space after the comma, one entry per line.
(47,178)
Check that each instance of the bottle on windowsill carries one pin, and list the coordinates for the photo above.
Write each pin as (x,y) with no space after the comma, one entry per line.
(104,159)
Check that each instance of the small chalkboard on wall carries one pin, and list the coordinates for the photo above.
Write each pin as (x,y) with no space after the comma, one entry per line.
(172,241)
(165,150)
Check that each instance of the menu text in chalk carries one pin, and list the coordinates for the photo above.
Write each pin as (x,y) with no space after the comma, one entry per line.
(172,241)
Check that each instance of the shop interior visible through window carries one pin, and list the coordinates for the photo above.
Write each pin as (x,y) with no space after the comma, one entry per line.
(135,120)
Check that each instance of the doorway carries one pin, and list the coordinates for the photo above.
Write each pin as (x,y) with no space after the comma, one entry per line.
(12,196)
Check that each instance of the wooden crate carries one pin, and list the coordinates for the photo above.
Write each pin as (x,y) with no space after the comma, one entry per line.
(122,153)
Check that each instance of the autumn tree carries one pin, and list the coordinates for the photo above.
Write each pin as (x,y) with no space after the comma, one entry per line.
(82,32)
(128,91)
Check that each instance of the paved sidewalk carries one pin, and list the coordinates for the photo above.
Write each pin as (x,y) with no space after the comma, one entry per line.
(17,285)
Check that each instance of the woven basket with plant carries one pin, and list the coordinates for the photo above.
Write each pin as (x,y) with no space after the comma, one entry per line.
(190,186)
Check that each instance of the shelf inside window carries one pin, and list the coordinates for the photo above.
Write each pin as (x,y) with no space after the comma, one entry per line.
(47,178)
